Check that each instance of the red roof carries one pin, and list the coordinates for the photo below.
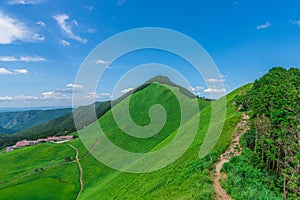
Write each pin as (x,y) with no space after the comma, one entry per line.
(23,143)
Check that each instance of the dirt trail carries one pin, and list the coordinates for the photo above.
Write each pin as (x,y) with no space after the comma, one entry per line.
(234,149)
(80,171)
(91,150)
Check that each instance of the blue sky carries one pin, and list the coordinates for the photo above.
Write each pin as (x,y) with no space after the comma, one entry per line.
(43,42)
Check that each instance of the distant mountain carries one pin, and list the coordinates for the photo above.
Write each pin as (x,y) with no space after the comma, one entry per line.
(17,109)
(13,122)
(65,124)
(6,131)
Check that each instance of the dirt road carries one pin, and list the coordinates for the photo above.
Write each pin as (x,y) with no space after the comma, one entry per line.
(80,171)
(234,149)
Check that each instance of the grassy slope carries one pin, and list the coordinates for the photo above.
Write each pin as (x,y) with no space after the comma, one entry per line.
(188,177)
(38,172)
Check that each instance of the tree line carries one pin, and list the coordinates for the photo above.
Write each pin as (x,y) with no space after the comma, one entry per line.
(274,137)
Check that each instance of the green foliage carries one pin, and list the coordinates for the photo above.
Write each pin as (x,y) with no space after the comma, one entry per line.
(274,102)
(246,182)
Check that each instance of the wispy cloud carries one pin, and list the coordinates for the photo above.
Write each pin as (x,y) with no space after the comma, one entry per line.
(264,26)
(101,61)
(67,27)
(71,85)
(41,23)
(17,98)
(20,71)
(88,8)
(215,80)
(32,59)
(65,93)
(195,89)
(126,90)
(215,90)
(5,71)
(22,59)
(64,42)
(295,22)
(8,59)
(55,95)
(12,30)
(24,2)
(101,96)
(120,2)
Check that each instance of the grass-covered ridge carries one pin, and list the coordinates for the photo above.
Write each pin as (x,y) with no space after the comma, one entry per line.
(47,167)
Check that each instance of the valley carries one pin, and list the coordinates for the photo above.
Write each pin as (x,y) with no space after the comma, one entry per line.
(70,171)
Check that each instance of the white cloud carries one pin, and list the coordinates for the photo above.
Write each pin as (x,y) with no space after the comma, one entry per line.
(17,98)
(32,59)
(20,71)
(215,80)
(24,2)
(195,89)
(57,94)
(126,90)
(5,71)
(103,62)
(67,27)
(22,59)
(64,42)
(5,98)
(41,23)
(71,85)
(8,59)
(263,26)
(295,22)
(92,30)
(215,90)
(65,93)
(94,95)
(12,30)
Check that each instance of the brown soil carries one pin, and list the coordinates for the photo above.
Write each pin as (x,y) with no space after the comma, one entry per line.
(234,149)
(80,171)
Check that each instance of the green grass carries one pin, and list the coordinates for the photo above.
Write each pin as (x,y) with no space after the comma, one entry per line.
(38,172)
(189,177)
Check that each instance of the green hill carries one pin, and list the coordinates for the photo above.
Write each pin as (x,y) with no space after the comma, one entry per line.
(13,122)
(65,124)
(46,168)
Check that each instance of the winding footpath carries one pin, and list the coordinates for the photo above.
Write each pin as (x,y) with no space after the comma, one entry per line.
(80,172)
(234,149)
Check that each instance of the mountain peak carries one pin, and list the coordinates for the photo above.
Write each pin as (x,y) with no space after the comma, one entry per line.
(161,79)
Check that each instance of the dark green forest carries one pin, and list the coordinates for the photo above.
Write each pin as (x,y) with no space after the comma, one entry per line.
(274,137)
